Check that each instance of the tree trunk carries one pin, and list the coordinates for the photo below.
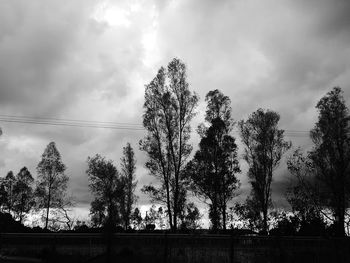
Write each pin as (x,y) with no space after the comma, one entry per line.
(340,218)
(48,208)
(214,216)
(264,230)
(175,216)
(341,230)
(169,205)
(224,217)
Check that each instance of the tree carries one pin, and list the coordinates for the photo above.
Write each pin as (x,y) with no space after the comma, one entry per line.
(212,171)
(3,195)
(264,147)
(128,164)
(23,194)
(151,216)
(161,218)
(168,110)
(304,192)
(107,188)
(136,219)
(62,214)
(9,182)
(248,213)
(52,182)
(191,217)
(331,153)
(98,213)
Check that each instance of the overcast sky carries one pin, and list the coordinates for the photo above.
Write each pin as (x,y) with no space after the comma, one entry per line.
(90,60)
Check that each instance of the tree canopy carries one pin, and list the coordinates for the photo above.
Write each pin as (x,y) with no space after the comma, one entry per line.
(212,171)
(168,110)
(264,146)
(52,181)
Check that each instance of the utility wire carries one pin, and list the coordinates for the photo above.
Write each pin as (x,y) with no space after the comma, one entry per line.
(101,124)
(67,120)
(70,123)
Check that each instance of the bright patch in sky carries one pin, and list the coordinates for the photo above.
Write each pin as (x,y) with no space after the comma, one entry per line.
(112,15)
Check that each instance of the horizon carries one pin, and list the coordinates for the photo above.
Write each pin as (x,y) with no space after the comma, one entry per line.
(70,69)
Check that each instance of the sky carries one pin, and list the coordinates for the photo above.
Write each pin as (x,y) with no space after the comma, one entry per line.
(90,60)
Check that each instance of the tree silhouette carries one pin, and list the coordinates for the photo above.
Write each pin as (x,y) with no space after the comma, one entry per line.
(264,147)
(52,182)
(191,217)
(8,184)
(304,194)
(168,110)
(128,165)
(3,195)
(212,171)
(107,188)
(331,153)
(136,219)
(23,194)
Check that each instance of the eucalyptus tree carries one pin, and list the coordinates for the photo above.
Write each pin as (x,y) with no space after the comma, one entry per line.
(303,193)
(23,194)
(9,183)
(331,153)
(52,181)
(168,110)
(212,171)
(108,190)
(264,147)
(128,168)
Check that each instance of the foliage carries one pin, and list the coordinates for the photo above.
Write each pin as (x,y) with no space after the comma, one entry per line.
(212,171)
(168,110)
(52,182)
(304,193)
(23,194)
(8,185)
(331,153)
(248,213)
(3,195)
(128,165)
(264,147)
(136,219)
(285,225)
(151,216)
(191,217)
(107,188)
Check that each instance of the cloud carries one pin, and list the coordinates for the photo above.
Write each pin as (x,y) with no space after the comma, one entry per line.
(91,59)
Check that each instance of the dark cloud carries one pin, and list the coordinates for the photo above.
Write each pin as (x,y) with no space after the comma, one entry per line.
(91,59)
(37,41)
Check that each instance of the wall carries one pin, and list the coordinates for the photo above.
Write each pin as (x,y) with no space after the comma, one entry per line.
(175,248)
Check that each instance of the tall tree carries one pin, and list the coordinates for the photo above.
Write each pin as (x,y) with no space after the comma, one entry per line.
(107,188)
(264,146)
(23,194)
(128,165)
(331,153)
(52,182)
(304,193)
(3,195)
(213,169)
(9,183)
(168,110)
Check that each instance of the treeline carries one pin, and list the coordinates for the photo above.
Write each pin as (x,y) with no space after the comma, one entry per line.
(21,195)
(318,193)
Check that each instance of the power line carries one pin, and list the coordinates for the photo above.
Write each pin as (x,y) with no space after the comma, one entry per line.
(101,124)
(70,123)
(67,120)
